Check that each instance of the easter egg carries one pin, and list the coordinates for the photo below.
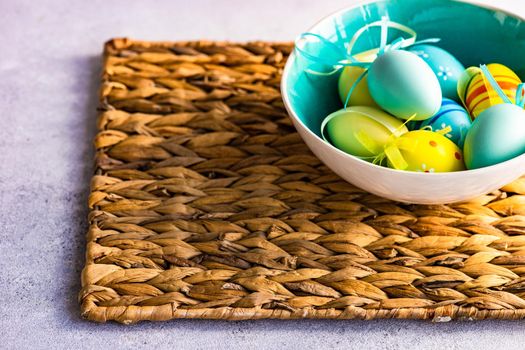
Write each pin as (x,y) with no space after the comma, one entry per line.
(361,130)
(360,95)
(424,151)
(445,66)
(404,85)
(472,87)
(496,135)
(452,115)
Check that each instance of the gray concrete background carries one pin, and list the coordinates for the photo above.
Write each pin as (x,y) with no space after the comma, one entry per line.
(49,65)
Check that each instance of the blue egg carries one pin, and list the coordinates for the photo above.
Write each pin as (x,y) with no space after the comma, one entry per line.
(450,114)
(402,84)
(445,66)
(496,135)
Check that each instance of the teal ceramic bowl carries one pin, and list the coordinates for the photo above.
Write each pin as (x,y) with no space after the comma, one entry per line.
(475,34)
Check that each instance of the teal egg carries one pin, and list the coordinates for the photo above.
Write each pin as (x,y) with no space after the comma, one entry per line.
(404,85)
(496,135)
(445,66)
(450,114)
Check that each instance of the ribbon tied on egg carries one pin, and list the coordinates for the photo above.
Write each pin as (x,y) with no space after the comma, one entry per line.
(493,89)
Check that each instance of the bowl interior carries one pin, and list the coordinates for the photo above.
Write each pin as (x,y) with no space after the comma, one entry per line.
(473,34)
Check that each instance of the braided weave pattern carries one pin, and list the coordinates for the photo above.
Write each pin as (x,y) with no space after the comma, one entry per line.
(205,203)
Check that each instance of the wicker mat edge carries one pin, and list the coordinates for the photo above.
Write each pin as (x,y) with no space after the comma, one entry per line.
(113,280)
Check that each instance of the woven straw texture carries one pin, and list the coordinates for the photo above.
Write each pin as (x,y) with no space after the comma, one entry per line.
(205,203)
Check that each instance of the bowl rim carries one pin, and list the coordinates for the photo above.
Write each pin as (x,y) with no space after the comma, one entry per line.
(450,174)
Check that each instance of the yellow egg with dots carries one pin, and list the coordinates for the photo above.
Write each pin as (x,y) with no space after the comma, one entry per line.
(424,151)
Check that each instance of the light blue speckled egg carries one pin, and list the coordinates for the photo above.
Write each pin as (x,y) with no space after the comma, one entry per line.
(450,114)
(404,85)
(445,66)
(496,135)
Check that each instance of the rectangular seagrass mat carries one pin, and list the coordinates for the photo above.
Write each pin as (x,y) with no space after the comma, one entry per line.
(205,203)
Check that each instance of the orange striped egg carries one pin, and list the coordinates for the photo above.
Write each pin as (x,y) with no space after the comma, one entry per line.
(472,87)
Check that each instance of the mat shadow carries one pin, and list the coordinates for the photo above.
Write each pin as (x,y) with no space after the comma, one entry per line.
(87,83)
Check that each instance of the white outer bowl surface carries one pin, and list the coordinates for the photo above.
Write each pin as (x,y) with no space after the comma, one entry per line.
(404,186)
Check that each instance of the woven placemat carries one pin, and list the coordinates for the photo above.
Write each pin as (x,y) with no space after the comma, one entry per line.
(205,203)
